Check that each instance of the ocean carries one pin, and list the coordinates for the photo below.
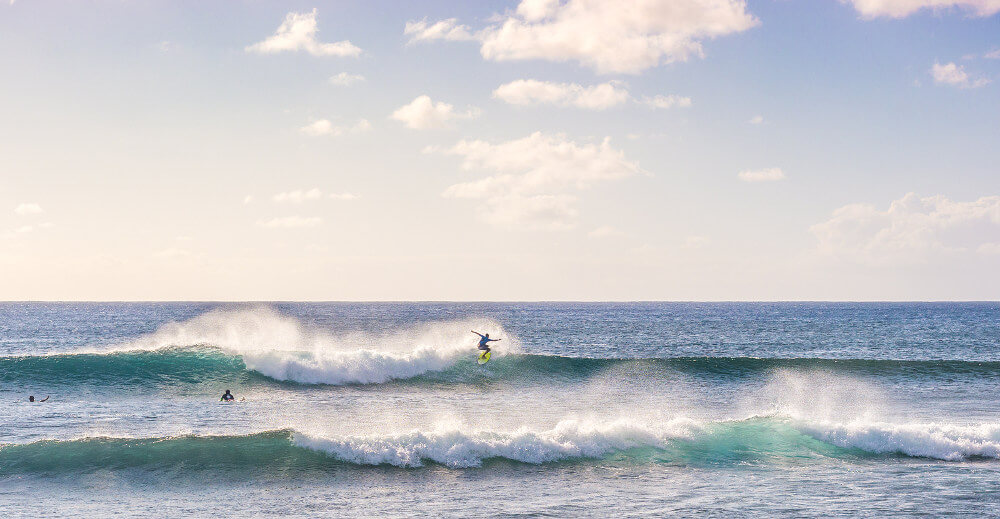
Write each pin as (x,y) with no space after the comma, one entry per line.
(586,409)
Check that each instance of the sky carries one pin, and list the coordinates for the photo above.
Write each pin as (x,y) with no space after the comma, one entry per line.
(500,150)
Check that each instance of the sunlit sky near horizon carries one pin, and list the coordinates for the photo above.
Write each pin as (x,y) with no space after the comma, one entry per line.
(534,150)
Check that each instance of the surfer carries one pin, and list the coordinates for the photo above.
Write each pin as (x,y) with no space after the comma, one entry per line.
(31,398)
(484,341)
(227,397)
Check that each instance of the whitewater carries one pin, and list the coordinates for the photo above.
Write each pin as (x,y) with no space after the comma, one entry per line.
(644,409)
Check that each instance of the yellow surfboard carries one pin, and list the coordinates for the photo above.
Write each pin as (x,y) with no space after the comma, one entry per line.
(484,357)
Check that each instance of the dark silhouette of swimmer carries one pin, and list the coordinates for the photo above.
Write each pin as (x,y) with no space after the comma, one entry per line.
(484,341)
(227,397)
(31,398)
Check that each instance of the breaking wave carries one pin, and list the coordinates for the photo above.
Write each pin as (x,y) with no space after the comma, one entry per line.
(756,440)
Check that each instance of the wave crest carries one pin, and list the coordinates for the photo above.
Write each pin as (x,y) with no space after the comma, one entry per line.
(754,440)
(287,349)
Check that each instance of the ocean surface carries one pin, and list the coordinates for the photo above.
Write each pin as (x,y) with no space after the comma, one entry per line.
(586,409)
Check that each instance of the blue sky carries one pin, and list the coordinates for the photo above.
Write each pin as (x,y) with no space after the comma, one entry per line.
(165,150)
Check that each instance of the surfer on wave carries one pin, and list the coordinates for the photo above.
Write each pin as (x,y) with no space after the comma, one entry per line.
(484,341)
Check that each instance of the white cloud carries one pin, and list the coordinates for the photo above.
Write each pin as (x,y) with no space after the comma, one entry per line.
(533,92)
(762,175)
(291,222)
(298,32)
(993,54)
(443,30)
(604,231)
(345,79)
(24,229)
(596,97)
(610,37)
(669,101)
(27,209)
(424,114)
(913,229)
(903,8)
(531,176)
(247,199)
(757,119)
(955,75)
(298,196)
(324,127)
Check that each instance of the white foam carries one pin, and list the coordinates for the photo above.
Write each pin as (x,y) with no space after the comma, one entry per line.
(939,441)
(285,348)
(459,447)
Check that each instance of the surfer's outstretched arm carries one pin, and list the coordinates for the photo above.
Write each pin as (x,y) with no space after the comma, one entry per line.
(477,333)
(494,340)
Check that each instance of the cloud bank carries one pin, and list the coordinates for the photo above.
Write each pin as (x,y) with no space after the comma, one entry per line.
(913,229)
(609,37)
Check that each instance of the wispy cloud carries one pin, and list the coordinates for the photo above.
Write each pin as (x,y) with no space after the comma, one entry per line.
(955,75)
(594,97)
(291,222)
(345,79)
(762,175)
(912,229)
(532,176)
(903,8)
(299,196)
(324,127)
(449,29)
(28,209)
(669,101)
(534,92)
(604,231)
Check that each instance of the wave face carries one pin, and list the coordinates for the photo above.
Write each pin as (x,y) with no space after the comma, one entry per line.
(169,365)
(757,440)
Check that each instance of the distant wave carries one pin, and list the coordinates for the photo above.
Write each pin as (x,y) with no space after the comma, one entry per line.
(261,345)
(757,440)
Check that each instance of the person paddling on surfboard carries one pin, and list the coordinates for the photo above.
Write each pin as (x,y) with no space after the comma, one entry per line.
(484,341)
(227,397)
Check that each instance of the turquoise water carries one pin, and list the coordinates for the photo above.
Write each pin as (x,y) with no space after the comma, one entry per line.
(801,409)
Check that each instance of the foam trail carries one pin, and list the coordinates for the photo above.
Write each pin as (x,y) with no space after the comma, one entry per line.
(285,348)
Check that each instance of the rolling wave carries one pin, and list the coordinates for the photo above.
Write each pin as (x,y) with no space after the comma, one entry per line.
(757,440)
(195,364)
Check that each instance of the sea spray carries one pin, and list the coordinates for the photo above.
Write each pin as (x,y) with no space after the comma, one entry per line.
(288,349)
